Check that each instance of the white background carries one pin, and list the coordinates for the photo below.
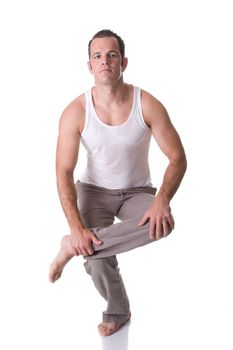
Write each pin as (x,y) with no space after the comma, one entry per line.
(181,287)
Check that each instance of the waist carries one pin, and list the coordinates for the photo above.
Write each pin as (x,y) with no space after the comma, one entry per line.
(116,191)
(116,178)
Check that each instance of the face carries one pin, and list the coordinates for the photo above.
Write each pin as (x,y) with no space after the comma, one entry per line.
(105,62)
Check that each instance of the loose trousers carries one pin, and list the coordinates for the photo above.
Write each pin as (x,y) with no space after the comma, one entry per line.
(98,208)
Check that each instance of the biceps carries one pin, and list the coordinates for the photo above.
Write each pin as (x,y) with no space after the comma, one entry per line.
(169,141)
(67,152)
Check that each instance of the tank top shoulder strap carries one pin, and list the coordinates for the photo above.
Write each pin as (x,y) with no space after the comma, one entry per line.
(138,107)
(88,110)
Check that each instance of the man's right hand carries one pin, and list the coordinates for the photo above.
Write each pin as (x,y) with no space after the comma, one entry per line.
(82,241)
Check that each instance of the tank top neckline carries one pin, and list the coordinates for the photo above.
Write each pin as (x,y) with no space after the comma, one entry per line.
(113,126)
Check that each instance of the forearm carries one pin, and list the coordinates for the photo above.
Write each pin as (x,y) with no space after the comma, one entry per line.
(172,178)
(68,197)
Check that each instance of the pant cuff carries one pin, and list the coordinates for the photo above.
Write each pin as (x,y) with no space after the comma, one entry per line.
(117,318)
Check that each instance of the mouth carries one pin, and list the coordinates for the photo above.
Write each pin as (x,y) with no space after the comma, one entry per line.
(105,70)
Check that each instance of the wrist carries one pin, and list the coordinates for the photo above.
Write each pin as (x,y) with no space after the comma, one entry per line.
(77,231)
(162,196)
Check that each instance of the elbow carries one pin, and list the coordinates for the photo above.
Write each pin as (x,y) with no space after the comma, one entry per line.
(179,160)
(183,162)
(64,174)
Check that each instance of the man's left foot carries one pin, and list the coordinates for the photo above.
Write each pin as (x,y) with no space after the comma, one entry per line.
(108,328)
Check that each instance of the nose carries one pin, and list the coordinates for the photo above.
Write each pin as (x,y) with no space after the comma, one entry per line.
(105,60)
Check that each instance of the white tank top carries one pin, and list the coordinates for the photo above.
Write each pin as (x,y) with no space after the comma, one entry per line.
(117,156)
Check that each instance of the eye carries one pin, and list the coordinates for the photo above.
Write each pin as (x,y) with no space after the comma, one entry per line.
(96,57)
(112,55)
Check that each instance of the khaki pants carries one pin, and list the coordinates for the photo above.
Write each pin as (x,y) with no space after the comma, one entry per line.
(98,207)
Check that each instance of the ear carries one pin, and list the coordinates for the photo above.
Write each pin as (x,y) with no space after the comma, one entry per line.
(124,63)
(90,67)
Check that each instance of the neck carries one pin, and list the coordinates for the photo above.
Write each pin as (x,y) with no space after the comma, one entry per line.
(110,93)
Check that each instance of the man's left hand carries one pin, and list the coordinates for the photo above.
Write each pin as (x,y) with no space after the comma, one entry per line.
(160,217)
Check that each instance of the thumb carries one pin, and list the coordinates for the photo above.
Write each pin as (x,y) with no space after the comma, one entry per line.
(143,220)
(95,239)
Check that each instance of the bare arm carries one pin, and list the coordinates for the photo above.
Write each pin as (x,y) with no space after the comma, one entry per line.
(159,214)
(66,159)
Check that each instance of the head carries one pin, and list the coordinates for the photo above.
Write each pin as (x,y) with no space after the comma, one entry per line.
(107,59)
(106,33)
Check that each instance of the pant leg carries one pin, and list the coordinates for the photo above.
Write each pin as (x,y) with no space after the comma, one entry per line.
(96,210)
(108,281)
(126,235)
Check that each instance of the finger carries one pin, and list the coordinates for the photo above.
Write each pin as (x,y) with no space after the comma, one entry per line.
(79,251)
(144,220)
(166,228)
(152,229)
(95,240)
(83,250)
(171,222)
(159,230)
(76,253)
(89,250)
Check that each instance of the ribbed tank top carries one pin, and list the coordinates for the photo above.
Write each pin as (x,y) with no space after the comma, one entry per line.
(117,156)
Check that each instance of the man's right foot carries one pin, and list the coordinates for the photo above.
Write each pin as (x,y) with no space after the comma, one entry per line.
(64,255)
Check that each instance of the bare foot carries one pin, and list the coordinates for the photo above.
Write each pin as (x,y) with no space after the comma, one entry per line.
(64,255)
(108,328)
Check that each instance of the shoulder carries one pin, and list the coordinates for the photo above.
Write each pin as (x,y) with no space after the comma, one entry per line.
(153,110)
(73,115)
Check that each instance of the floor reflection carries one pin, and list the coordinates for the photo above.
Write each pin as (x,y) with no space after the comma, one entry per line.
(117,341)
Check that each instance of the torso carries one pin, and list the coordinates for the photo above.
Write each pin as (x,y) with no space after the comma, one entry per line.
(117,148)
(116,114)
(110,115)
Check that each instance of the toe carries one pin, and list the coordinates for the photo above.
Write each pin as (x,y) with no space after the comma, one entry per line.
(107,329)
(101,329)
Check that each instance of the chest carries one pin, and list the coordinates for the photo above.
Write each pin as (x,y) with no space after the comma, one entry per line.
(114,115)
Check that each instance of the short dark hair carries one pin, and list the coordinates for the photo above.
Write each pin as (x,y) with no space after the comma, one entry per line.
(108,33)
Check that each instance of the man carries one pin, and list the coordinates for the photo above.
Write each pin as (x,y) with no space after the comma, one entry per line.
(114,121)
